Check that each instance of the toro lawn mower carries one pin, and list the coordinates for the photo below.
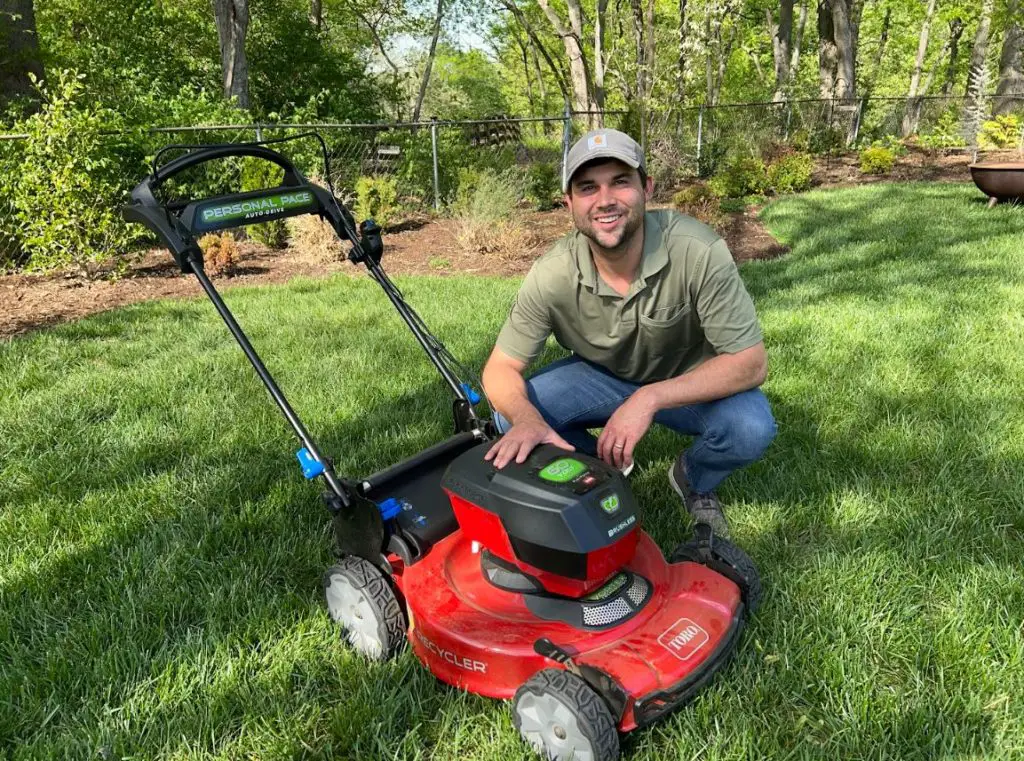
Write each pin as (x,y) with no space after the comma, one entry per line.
(533,583)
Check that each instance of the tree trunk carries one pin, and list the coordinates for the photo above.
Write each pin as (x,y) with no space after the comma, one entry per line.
(232,25)
(540,74)
(571,37)
(680,94)
(316,14)
(528,77)
(846,49)
(782,35)
(1010,89)
(913,109)
(977,74)
(19,49)
(956,30)
(828,54)
(430,61)
(640,97)
(794,63)
(883,40)
(599,57)
(559,74)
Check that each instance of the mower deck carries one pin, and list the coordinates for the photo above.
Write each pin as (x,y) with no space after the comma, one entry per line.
(477,637)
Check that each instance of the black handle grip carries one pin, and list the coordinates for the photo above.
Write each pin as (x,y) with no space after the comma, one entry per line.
(292,176)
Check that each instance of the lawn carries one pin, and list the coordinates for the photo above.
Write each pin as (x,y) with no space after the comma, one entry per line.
(161,554)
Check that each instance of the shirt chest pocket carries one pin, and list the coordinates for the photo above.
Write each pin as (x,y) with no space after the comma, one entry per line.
(674,326)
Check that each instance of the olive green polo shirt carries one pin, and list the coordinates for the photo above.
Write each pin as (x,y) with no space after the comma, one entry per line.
(686,304)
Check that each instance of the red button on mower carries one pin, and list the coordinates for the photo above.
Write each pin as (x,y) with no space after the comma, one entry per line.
(533,583)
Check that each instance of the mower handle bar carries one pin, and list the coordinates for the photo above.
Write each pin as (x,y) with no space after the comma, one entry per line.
(161,174)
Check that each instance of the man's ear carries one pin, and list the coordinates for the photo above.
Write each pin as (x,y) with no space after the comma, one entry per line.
(649,188)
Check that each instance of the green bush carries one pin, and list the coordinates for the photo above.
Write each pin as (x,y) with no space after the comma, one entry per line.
(945,134)
(790,173)
(543,185)
(11,254)
(377,198)
(258,174)
(692,194)
(486,195)
(877,160)
(741,177)
(63,200)
(1001,132)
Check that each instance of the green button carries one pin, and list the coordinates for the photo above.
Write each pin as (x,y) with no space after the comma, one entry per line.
(562,470)
(610,503)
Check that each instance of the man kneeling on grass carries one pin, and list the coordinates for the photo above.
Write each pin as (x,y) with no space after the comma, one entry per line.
(660,327)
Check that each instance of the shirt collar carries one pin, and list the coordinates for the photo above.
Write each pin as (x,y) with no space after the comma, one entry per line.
(654,258)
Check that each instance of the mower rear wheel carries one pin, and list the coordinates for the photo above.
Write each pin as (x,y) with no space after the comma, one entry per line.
(361,600)
(564,719)
(729,560)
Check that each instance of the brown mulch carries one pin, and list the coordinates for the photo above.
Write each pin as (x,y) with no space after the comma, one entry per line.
(417,246)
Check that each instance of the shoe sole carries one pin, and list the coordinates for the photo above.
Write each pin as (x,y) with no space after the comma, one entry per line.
(672,482)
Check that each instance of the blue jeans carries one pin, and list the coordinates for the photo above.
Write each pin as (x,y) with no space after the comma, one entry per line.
(573,395)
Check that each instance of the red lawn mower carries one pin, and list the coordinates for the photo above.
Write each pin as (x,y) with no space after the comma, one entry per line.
(533,583)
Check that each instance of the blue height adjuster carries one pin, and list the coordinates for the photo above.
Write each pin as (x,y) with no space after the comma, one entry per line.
(310,467)
(472,395)
(389,508)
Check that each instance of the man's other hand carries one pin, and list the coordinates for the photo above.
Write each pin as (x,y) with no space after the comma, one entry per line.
(520,440)
(624,430)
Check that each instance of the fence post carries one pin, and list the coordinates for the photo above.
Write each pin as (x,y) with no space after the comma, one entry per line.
(259,133)
(566,138)
(700,133)
(433,146)
(856,121)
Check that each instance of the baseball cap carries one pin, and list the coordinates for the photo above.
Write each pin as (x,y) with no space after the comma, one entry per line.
(602,144)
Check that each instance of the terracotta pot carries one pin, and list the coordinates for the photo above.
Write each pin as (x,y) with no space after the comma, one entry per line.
(1002,181)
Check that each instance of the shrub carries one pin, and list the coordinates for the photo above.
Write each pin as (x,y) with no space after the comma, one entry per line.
(691,194)
(945,134)
(1001,132)
(790,173)
(485,195)
(543,185)
(376,198)
(699,202)
(483,215)
(220,254)
(311,236)
(258,174)
(877,160)
(741,177)
(64,198)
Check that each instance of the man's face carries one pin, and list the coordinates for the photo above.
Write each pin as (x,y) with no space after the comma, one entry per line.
(607,201)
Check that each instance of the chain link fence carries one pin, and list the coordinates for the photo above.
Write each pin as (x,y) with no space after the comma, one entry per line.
(425,160)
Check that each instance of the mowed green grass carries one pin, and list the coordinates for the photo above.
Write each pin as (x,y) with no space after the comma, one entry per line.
(160,554)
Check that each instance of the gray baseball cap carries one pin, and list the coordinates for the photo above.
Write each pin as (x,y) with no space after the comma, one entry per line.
(602,144)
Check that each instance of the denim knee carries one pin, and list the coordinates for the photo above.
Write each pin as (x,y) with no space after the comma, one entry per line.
(746,438)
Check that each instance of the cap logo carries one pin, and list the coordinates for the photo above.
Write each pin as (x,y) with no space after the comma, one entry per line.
(596,141)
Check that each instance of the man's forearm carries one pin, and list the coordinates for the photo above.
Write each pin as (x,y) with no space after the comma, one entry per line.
(719,377)
(506,391)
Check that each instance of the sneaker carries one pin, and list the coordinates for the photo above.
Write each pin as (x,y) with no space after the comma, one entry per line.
(705,508)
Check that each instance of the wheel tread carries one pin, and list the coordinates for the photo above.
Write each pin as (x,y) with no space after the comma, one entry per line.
(391,619)
(580,698)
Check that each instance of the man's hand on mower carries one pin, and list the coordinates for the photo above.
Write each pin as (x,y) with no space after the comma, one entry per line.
(520,440)
(624,429)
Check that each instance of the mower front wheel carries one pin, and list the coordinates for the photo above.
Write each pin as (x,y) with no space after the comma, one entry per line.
(564,719)
(361,600)
(726,558)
